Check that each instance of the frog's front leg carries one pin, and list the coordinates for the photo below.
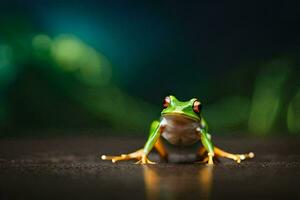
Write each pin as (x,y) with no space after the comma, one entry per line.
(237,157)
(156,129)
(208,145)
(142,154)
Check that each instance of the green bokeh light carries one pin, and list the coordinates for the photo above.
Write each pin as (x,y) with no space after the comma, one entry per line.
(293,114)
(267,97)
(228,113)
(74,56)
(68,52)
(7,68)
(41,42)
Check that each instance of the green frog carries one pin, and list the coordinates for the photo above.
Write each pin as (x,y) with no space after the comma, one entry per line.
(181,126)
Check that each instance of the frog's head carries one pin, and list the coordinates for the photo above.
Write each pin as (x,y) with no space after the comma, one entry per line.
(190,109)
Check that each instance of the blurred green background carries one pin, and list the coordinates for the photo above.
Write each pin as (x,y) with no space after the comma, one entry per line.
(104,67)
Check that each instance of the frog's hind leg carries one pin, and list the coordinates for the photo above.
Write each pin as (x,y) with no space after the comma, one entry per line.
(138,154)
(134,155)
(161,149)
(141,154)
(202,155)
(237,157)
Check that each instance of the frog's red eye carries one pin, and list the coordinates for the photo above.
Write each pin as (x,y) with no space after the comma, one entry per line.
(197,106)
(166,102)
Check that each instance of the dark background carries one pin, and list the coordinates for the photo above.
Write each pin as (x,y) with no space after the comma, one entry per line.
(96,65)
(79,79)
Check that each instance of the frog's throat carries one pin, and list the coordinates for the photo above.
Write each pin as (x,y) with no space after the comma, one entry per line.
(181,115)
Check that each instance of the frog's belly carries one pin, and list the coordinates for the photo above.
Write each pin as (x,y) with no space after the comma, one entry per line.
(180,138)
(180,131)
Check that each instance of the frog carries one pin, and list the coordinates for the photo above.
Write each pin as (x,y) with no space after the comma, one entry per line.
(181,126)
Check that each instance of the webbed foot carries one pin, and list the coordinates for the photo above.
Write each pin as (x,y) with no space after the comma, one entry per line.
(137,155)
(236,157)
(144,160)
(208,160)
(239,157)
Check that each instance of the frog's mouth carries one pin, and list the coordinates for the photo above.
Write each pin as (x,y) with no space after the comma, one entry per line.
(180,115)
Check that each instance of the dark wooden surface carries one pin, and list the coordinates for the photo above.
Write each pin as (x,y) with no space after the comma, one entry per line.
(70,168)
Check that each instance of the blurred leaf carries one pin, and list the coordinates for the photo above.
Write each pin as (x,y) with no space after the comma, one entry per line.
(267,97)
(228,113)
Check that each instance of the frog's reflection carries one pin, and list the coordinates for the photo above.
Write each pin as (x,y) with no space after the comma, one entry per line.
(178,182)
